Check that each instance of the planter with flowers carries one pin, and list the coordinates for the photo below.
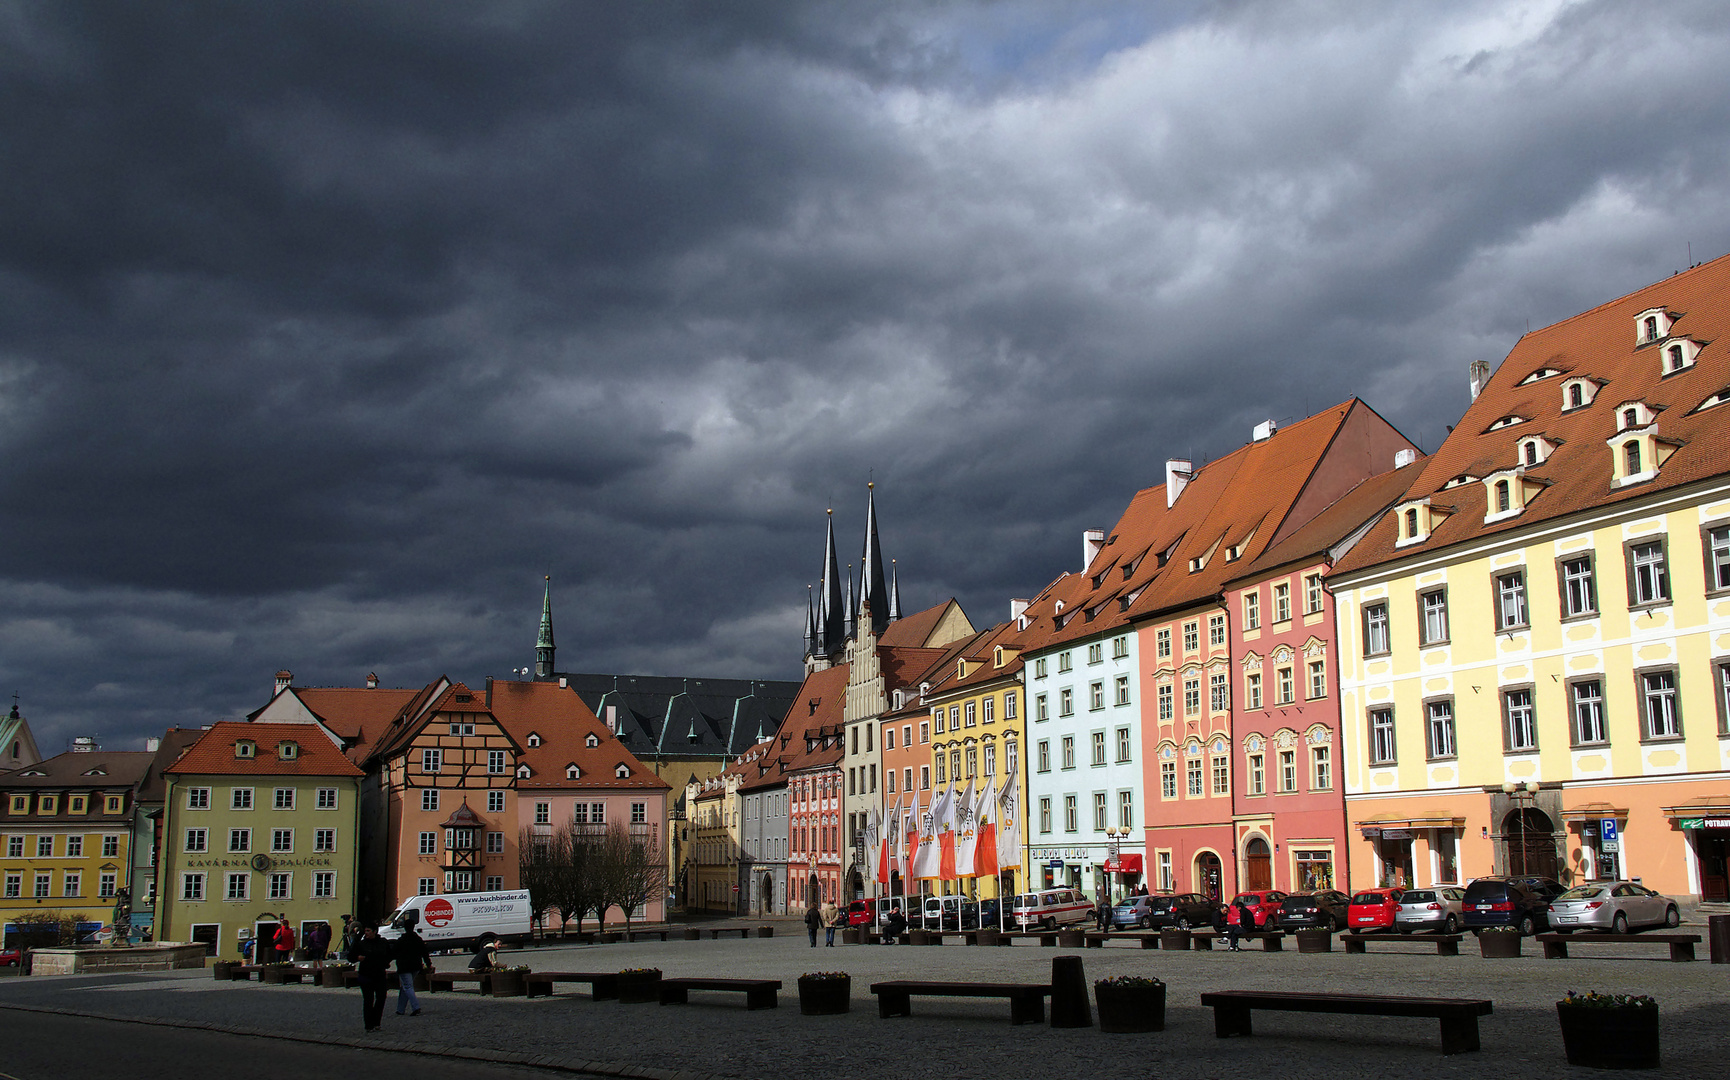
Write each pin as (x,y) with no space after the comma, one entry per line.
(1499,942)
(1130,1004)
(825,993)
(334,975)
(1609,1031)
(510,981)
(639,986)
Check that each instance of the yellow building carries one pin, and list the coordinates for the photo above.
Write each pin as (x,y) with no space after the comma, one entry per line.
(69,833)
(259,821)
(712,809)
(1535,644)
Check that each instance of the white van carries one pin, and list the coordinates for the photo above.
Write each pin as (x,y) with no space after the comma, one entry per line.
(464,920)
(1050,908)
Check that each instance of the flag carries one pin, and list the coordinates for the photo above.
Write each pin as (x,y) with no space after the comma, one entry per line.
(872,830)
(889,847)
(926,856)
(1009,825)
(985,842)
(966,831)
(946,835)
(909,853)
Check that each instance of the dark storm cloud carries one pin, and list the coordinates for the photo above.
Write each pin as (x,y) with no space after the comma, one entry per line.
(329,328)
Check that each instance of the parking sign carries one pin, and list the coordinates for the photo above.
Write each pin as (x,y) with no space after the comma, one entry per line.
(1607,828)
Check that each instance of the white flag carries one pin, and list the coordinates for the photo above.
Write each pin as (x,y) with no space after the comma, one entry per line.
(1009,825)
(966,831)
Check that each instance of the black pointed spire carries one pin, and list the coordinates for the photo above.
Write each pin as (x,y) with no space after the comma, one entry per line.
(810,623)
(873,589)
(544,643)
(894,591)
(833,612)
(852,604)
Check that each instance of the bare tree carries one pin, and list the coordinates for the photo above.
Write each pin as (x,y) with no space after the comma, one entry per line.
(632,869)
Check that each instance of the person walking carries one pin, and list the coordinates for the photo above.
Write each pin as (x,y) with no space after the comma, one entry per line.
(813,919)
(831,920)
(1102,913)
(1245,924)
(371,955)
(411,956)
(284,939)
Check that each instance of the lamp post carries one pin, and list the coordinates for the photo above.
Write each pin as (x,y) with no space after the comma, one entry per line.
(1115,835)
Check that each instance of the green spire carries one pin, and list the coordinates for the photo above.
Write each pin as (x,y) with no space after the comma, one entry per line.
(544,644)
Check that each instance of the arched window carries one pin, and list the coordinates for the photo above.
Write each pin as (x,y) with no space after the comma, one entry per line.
(1676,358)
(1531,453)
(1502,499)
(1411,524)
(1630,418)
(1631,456)
(1651,328)
(1576,396)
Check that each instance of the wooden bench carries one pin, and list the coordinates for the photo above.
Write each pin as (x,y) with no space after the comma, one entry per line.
(603,985)
(1681,945)
(716,931)
(1446,944)
(1026,1000)
(447,980)
(243,972)
(1459,1016)
(759,993)
(1097,940)
(1271,940)
(1043,937)
(635,934)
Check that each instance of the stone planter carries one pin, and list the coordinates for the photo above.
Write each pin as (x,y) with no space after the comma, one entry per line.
(765,931)
(919,937)
(1499,945)
(825,997)
(611,937)
(1315,941)
(1130,1009)
(852,935)
(222,970)
(272,974)
(238,973)
(1624,1038)
(509,983)
(639,987)
(1072,939)
(1173,939)
(337,977)
(294,975)
(692,933)
(990,935)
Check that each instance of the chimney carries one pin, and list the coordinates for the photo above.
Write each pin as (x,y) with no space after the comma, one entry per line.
(372,680)
(1264,431)
(1091,541)
(1480,375)
(1177,475)
(1402,458)
(1017,608)
(283,678)
(83,744)
(152,745)
(563,683)
(613,719)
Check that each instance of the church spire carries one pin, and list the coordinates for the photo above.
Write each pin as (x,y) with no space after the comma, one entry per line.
(810,623)
(833,612)
(894,592)
(873,590)
(852,605)
(544,643)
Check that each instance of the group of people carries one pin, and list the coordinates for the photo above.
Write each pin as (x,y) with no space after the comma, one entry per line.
(827,918)
(278,947)
(373,956)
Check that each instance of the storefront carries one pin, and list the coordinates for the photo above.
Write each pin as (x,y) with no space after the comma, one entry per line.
(1710,839)
(1124,874)
(1413,849)
(1595,841)
(1313,868)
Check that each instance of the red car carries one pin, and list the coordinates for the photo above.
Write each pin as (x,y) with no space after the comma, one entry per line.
(859,913)
(9,957)
(1374,909)
(1264,904)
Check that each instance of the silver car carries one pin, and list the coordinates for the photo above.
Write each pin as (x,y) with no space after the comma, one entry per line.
(1616,906)
(1429,909)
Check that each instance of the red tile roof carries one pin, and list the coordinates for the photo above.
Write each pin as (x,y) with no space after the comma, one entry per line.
(213,754)
(914,631)
(1599,344)
(564,724)
(816,716)
(1353,510)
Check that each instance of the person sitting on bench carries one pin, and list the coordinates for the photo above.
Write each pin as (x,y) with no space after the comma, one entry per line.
(893,925)
(1245,924)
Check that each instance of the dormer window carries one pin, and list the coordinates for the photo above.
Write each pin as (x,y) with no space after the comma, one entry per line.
(1454,482)
(1541,373)
(1507,493)
(1637,453)
(1715,400)
(1630,418)
(524,772)
(1536,450)
(534,739)
(1679,355)
(1578,393)
(1653,324)
(1506,422)
(997,657)
(572,772)
(1417,520)
(1634,414)
(623,772)
(900,699)
(245,749)
(592,740)
(1631,456)
(287,751)
(1503,498)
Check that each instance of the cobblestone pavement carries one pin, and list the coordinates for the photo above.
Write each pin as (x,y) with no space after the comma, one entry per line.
(963,1038)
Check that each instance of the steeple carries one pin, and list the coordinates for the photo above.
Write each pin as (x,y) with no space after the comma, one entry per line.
(852,604)
(873,589)
(833,612)
(544,643)
(894,592)
(810,623)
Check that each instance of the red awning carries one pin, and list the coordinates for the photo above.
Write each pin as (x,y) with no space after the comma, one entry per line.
(1123,864)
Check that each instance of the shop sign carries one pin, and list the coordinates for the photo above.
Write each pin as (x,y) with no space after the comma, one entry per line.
(1396,834)
(1372,833)
(1054,864)
(1703,823)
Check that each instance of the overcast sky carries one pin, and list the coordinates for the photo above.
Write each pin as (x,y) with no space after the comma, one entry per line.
(327,329)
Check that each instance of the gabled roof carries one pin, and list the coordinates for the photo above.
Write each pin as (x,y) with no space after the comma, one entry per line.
(1357,508)
(810,736)
(686,718)
(564,724)
(318,752)
(456,698)
(916,630)
(106,769)
(1600,345)
(360,717)
(174,743)
(979,650)
(1247,500)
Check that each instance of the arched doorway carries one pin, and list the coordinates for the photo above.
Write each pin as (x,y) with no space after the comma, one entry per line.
(1530,836)
(814,894)
(1257,864)
(894,883)
(1209,881)
(856,886)
(768,894)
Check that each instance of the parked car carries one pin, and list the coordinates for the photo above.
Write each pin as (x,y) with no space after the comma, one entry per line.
(951,913)
(990,913)
(1611,905)
(1324,909)
(1133,911)
(1374,909)
(861,912)
(1050,908)
(1182,910)
(1264,904)
(1502,901)
(11,956)
(1429,909)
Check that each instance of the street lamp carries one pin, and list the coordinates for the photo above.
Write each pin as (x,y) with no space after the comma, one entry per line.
(1115,836)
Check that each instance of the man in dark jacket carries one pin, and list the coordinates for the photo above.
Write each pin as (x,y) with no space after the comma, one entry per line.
(894,925)
(1245,923)
(813,920)
(371,955)
(411,957)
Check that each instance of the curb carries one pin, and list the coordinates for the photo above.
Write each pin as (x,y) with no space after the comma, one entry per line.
(389,1046)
